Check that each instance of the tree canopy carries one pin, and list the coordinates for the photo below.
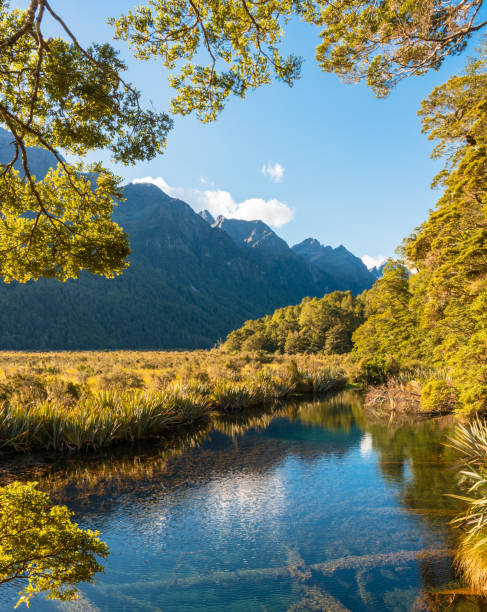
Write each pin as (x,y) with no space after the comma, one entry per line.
(315,325)
(58,95)
(40,545)
(442,317)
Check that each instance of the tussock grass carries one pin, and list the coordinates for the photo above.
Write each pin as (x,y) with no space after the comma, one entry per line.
(67,402)
(471,561)
(97,421)
(470,440)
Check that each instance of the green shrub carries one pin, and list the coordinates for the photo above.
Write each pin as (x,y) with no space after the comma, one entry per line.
(375,371)
(437,395)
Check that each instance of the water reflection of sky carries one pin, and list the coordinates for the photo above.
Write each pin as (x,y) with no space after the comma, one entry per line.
(366,445)
(276,504)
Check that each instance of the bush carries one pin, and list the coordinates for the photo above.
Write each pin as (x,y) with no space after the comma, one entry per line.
(23,387)
(64,392)
(437,395)
(41,546)
(120,380)
(375,371)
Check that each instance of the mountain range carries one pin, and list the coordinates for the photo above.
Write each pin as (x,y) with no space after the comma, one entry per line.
(191,280)
(40,160)
(347,271)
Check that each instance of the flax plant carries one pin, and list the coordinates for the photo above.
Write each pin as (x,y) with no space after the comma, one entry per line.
(118,400)
(471,555)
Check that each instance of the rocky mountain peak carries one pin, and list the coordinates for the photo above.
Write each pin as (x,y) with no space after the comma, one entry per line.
(339,263)
(253,234)
(207,216)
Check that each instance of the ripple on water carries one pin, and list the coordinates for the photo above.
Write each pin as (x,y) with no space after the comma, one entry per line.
(312,507)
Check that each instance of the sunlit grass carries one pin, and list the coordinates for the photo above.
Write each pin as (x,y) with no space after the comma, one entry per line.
(66,402)
(470,441)
(97,421)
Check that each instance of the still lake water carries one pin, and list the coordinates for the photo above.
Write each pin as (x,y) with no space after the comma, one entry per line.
(313,506)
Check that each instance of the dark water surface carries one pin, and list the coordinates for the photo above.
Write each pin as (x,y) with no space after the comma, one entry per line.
(313,506)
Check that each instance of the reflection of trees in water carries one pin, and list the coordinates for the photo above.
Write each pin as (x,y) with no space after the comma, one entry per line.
(416,460)
(420,448)
(340,412)
(412,458)
(93,482)
(231,442)
(315,428)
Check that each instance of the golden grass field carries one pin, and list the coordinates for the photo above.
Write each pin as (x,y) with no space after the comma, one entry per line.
(90,371)
(68,401)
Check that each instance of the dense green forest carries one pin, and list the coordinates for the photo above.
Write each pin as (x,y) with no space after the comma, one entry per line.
(315,325)
(187,286)
(428,312)
(437,317)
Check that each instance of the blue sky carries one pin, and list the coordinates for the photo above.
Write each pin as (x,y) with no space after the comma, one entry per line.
(356,169)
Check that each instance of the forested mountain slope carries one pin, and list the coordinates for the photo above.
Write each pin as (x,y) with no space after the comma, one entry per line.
(347,271)
(189,283)
(272,252)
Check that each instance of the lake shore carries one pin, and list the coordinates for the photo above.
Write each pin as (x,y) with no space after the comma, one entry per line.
(87,401)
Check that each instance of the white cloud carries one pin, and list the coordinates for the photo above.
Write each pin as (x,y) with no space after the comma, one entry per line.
(274,171)
(373,262)
(220,202)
